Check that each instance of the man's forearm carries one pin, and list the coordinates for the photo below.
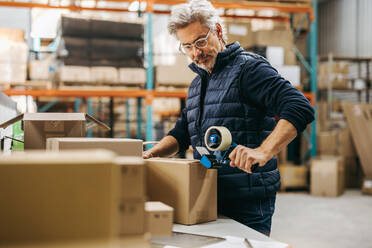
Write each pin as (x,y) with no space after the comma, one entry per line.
(165,148)
(283,133)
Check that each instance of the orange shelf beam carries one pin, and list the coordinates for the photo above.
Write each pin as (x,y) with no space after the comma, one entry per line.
(94,93)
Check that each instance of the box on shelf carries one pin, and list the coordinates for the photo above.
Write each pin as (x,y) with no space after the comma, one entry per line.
(327,176)
(335,67)
(12,34)
(39,69)
(159,219)
(185,185)
(38,127)
(275,55)
(71,73)
(178,74)
(132,75)
(104,74)
(241,32)
(327,142)
(58,196)
(291,73)
(367,186)
(293,176)
(121,146)
(19,73)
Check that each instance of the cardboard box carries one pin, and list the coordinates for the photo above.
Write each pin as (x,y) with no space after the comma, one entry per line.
(327,176)
(58,196)
(275,55)
(178,74)
(353,173)
(367,187)
(131,241)
(241,32)
(327,143)
(185,185)
(121,146)
(104,74)
(132,177)
(132,75)
(345,145)
(293,176)
(12,34)
(5,72)
(132,216)
(39,69)
(38,127)
(159,219)
(71,73)
(19,73)
(291,73)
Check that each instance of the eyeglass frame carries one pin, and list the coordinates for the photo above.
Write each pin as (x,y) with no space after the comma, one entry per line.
(181,47)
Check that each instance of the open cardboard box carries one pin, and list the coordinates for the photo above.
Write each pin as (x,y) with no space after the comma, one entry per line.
(40,126)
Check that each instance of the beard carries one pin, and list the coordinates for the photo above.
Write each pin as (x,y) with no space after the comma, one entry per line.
(209,64)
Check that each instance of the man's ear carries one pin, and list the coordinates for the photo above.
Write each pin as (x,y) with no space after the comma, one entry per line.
(219,31)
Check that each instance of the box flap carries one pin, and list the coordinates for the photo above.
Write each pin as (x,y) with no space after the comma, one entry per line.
(11,121)
(94,122)
(54,117)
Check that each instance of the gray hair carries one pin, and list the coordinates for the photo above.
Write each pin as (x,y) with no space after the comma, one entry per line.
(202,11)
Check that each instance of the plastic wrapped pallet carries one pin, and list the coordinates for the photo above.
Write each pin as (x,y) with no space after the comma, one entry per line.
(116,49)
(103,74)
(74,74)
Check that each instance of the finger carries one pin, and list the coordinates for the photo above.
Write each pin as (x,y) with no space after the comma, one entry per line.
(248,165)
(243,159)
(238,157)
(233,154)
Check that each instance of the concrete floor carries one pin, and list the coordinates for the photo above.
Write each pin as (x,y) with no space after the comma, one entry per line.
(305,221)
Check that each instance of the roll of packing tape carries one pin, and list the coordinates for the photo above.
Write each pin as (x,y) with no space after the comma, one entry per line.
(217,138)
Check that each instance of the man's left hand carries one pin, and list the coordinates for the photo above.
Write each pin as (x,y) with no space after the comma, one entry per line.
(244,158)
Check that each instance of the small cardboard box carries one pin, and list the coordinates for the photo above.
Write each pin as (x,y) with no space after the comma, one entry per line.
(241,32)
(327,143)
(159,219)
(327,176)
(185,185)
(71,73)
(49,196)
(104,74)
(132,176)
(132,75)
(121,146)
(293,176)
(132,216)
(38,127)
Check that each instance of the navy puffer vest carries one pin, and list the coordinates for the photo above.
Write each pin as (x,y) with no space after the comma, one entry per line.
(215,100)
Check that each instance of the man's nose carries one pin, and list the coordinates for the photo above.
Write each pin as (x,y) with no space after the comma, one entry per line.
(196,51)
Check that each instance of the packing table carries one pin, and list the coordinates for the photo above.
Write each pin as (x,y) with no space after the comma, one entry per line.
(224,232)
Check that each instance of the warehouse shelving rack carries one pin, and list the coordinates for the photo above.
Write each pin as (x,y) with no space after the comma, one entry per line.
(149,93)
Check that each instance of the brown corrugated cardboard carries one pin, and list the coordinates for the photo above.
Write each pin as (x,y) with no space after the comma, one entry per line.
(159,219)
(71,73)
(104,74)
(327,143)
(38,127)
(121,146)
(292,176)
(359,118)
(185,185)
(12,34)
(345,146)
(132,241)
(132,176)
(327,176)
(241,32)
(353,173)
(58,196)
(132,216)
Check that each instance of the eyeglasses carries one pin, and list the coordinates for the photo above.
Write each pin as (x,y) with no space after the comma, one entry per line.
(199,43)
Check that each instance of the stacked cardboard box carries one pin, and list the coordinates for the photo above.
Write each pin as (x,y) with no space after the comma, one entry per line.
(159,219)
(334,74)
(185,185)
(293,176)
(122,147)
(327,176)
(13,56)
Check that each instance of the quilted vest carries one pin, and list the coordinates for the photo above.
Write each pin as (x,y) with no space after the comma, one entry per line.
(216,100)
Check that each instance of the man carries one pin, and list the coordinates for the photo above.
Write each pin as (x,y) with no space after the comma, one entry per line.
(242,92)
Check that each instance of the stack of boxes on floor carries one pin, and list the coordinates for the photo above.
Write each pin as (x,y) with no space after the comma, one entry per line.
(101,52)
(76,194)
(13,56)
(337,166)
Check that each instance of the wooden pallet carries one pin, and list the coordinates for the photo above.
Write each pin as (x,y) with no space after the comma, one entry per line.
(98,86)
(32,84)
